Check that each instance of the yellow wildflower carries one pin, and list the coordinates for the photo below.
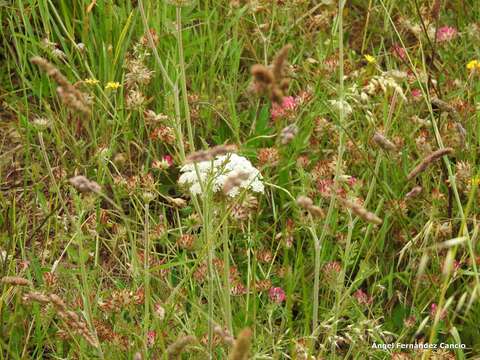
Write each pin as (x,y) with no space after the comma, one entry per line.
(473,65)
(370,59)
(91,81)
(112,85)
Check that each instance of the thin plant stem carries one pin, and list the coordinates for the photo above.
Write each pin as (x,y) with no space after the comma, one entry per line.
(183,78)
(226,274)
(146,272)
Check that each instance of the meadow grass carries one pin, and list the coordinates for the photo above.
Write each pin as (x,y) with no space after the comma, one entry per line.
(239,179)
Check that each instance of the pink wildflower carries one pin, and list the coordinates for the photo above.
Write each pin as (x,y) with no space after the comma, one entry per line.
(416,94)
(168,159)
(289,103)
(352,181)
(362,297)
(325,187)
(446,33)
(165,163)
(151,338)
(277,295)
(399,52)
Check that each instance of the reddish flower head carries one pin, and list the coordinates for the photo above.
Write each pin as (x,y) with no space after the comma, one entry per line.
(446,33)
(399,52)
(289,103)
(277,294)
(151,338)
(416,94)
(168,159)
(362,297)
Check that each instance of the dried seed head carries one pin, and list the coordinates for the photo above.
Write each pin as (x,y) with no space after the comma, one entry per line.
(67,92)
(241,347)
(82,184)
(304,202)
(15,280)
(427,161)
(210,154)
(360,211)
(234,179)
(278,65)
(262,74)
(135,100)
(177,202)
(414,192)
(37,297)
(71,319)
(174,351)
(271,80)
(307,203)
(224,335)
(383,142)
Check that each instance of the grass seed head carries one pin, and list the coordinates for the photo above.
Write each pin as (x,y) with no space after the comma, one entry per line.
(175,350)
(72,97)
(383,142)
(428,160)
(241,346)
(83,185)
(15,280)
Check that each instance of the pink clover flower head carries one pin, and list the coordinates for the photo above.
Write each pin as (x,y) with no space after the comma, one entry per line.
(399,52)
(168,159)
(446,33)
(288,105)
(151,335)
(416,94)
(277,295)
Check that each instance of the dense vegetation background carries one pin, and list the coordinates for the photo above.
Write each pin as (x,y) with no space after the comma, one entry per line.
(348,217)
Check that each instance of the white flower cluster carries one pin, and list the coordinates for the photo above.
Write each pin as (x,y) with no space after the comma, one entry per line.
(219,171)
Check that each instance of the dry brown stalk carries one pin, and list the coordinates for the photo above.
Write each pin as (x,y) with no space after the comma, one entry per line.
(427,161)
(70,95)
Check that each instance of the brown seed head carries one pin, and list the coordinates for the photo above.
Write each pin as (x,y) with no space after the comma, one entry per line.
(15,280)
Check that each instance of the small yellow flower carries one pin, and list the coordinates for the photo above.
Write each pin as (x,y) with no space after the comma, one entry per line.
(112,85)
(370,59)
(91,81)
(473,65)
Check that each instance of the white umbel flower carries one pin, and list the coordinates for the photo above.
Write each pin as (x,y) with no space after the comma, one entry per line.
(219,171)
